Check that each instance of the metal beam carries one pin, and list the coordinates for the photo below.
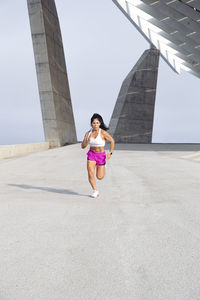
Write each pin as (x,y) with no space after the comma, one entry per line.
(175,39)
(169,29)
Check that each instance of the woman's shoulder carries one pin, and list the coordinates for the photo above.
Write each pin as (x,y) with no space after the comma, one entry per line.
(103,132)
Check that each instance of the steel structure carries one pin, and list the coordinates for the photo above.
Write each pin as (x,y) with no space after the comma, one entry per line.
(172,26)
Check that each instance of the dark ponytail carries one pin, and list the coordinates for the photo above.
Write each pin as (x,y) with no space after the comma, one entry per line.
(97,116)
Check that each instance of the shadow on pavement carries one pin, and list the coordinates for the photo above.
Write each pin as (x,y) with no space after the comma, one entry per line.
(47,189)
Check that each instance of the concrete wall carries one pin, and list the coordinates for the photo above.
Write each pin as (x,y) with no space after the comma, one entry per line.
(55,99)
(132,118)
(7,151)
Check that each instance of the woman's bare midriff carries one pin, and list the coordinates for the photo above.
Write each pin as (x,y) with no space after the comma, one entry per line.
(97,149)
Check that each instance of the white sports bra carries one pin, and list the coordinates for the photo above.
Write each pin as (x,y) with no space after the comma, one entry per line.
(98,141)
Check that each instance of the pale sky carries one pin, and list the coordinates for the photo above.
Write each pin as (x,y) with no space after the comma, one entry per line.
(101,47)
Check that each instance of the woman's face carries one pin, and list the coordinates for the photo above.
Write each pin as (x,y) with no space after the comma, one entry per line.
(96,124)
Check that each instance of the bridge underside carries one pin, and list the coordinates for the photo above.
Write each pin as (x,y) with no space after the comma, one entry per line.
(173,27)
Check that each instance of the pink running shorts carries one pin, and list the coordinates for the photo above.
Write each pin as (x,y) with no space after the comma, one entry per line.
(99,157)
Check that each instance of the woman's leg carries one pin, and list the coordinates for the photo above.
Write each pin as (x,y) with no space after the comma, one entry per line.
(91,172)
(100,172)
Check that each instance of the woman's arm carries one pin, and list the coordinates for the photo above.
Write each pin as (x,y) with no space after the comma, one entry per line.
(109,138)
(86,140)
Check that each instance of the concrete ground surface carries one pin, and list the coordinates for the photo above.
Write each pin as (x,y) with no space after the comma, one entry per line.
(139,241)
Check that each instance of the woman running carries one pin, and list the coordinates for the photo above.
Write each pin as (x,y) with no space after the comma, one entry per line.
(96,156)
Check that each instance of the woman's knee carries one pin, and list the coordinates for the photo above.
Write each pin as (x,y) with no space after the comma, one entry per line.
(100,176)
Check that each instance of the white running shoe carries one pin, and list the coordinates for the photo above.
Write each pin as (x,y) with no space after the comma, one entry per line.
(95,194)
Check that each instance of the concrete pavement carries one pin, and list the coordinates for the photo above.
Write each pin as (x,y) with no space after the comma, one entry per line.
(139,241)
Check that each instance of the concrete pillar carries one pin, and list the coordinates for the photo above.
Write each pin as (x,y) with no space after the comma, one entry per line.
(55,99)
(132,118)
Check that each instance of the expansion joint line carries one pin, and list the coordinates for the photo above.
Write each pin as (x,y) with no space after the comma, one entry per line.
(189,6)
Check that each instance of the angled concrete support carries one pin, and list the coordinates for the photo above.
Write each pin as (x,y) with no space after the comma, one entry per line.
(132,118)
(55,100)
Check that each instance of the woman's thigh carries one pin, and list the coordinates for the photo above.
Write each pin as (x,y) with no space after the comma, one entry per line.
(91,167)
(100,171)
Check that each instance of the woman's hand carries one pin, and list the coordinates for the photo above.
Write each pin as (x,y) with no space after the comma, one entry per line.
(89,138)
(86,140)
(108,156)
